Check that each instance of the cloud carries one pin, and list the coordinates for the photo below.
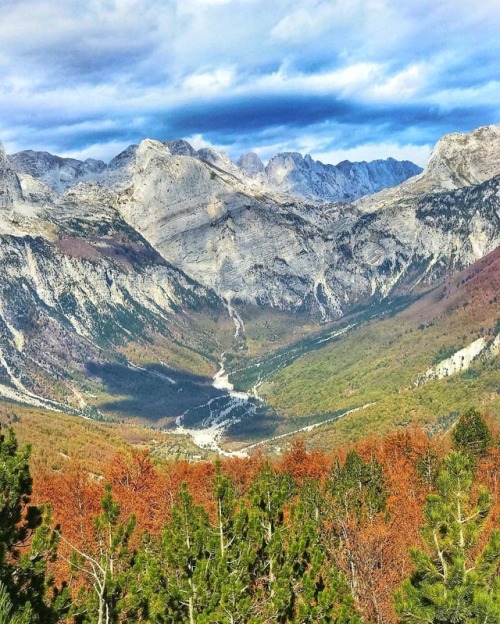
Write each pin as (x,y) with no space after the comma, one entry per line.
(208,83)
(328,77)
(314,19)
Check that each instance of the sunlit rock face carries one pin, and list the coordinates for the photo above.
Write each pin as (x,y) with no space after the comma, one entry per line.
(457,161)
(76,282)
(232,232)
(241,232)
(312,180)
(251,164)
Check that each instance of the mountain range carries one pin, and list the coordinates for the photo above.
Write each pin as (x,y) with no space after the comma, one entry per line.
(123,283)
(287,172)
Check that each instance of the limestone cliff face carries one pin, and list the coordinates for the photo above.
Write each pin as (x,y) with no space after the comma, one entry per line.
(76,282)
(460,160)
(251,164)
(312,180)
(457,161)
(250,243)
(230,232)
(10,187)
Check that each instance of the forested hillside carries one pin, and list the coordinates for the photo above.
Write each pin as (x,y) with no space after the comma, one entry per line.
(394,529)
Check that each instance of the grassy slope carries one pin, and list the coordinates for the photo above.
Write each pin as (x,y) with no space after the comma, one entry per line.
(380,361)
(57,438)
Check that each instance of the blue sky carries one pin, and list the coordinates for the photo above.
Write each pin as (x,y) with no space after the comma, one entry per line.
(357,79)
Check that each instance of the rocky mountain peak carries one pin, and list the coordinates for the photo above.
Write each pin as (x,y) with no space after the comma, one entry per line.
(213,156)
(56,172)
(123,158)
(179,147)
(3,154)
(457,161)
(220,160)
(251,164)
(460,160)
(292,173)
(10,186)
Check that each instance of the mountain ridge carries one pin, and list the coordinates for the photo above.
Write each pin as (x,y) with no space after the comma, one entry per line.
(310,180)
(144,276)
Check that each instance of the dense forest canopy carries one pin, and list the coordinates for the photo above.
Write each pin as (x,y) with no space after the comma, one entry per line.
(396,529)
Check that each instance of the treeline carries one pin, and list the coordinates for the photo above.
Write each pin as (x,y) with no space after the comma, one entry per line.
(401,529)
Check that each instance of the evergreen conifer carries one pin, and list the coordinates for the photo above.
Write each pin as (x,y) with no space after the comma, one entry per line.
(448,586)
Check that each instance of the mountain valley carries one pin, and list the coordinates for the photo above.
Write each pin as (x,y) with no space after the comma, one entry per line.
(176,289)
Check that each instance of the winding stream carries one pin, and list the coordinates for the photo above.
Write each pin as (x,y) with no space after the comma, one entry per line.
(225,410)
(231,407)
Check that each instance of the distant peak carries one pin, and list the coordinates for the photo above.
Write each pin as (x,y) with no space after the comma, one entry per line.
(122,158)
(462,159)
(213,156)
(3,154)
(180,147)
(251,164)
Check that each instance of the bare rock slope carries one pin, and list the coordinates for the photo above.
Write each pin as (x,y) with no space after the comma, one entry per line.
(309,179)
(252,244)
(77,282)
(58,173)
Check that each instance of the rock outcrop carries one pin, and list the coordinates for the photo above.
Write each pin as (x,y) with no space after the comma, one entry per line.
(304,177)
(252,244)
(58,173)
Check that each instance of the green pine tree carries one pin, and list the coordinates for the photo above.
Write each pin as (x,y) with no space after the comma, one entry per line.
(427,468)
(233,556)
(447,586)
(26,586)
(471,434)
(7,615)
(178,569)
(293,579)
(358,487)
(273,570)
(320,593)
(105,564)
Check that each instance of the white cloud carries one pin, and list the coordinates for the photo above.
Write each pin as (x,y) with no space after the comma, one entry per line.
(209,83)
(344,81)
(193,5)
(484,94)
(314,18)
(198,141)
(71,67)
(407,84)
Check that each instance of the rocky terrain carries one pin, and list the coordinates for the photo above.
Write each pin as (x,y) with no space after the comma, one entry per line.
(457,161)
(292,173)
(232,233)
(77,282)
(122,285)
(253,245)
(58,173)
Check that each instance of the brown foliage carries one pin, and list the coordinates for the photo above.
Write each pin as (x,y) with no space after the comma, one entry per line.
(373,553)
